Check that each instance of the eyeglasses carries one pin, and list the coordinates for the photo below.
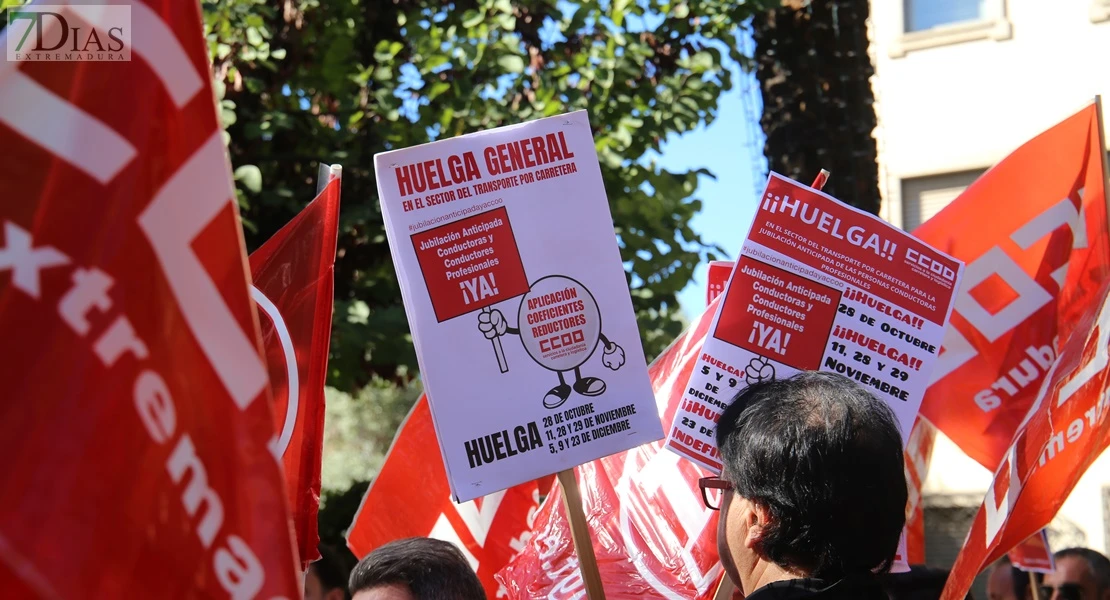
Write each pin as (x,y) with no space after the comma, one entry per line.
(713,491)
(1066,591)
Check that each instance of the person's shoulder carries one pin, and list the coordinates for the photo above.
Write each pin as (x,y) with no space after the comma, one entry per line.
(817,589)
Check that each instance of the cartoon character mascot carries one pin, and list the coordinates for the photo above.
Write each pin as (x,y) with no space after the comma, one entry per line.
(559,324)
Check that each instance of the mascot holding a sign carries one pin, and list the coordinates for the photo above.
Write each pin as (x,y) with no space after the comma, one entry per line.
(559,325)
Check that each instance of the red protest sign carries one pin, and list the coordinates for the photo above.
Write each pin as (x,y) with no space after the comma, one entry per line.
(756,290)
(652,534)
(470,264)
(1033,554)
(820,285)
(411,497)
(918,451)
(718,273)
(293,283)
(897,269)
(138,410)
(1031,231)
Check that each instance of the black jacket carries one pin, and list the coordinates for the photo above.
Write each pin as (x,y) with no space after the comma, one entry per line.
(852,588)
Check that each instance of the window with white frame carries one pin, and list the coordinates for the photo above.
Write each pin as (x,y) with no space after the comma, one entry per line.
(921,15)
(923,24)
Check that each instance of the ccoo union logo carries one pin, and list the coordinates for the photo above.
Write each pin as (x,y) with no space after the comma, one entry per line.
(67,33)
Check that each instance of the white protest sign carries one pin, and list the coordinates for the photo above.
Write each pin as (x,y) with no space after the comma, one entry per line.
(820,286)
(517,299)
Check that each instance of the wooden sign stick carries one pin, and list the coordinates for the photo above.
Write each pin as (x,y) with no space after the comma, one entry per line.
(1036,588)
(580,533)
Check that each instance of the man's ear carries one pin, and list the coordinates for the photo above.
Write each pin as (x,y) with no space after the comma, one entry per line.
(756,519)
(334,594)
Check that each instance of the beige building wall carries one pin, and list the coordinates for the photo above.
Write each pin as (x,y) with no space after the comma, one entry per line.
(951,101)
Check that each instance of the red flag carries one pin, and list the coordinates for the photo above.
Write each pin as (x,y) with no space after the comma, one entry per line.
(919,450)
(1033,233)
(1065,427)
(293,282)
(136,407)
(410,497)
(652,533)
(1066,431)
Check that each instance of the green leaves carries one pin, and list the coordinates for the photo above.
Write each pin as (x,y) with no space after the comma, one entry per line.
(511,63)
(340,81)
(250,176)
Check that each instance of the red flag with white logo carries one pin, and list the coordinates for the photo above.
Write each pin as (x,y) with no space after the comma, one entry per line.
(1032,231)
(294,278)
(135,406)
(652,534)
(1065,432)
(410,497)
(1057,423)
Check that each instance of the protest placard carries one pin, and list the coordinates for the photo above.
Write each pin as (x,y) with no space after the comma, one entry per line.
(718,273)
(820,286)
(518,303)
(1034,554)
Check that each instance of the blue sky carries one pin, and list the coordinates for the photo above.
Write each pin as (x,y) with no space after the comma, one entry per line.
(726,149)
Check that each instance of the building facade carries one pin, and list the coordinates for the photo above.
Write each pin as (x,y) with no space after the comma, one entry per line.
(960,84)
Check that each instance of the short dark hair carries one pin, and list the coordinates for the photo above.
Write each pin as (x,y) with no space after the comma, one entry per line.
(432,569)
(824,458)
(1099,564)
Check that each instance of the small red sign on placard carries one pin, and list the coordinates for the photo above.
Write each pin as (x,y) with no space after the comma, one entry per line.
(762,314)
(471,263)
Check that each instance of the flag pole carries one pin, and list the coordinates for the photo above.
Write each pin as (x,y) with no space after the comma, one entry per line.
(580,533)
(325,174)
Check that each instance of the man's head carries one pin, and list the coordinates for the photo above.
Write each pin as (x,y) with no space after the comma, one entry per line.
(415,569)
(1007,582)
(819,488)
(1081,574)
